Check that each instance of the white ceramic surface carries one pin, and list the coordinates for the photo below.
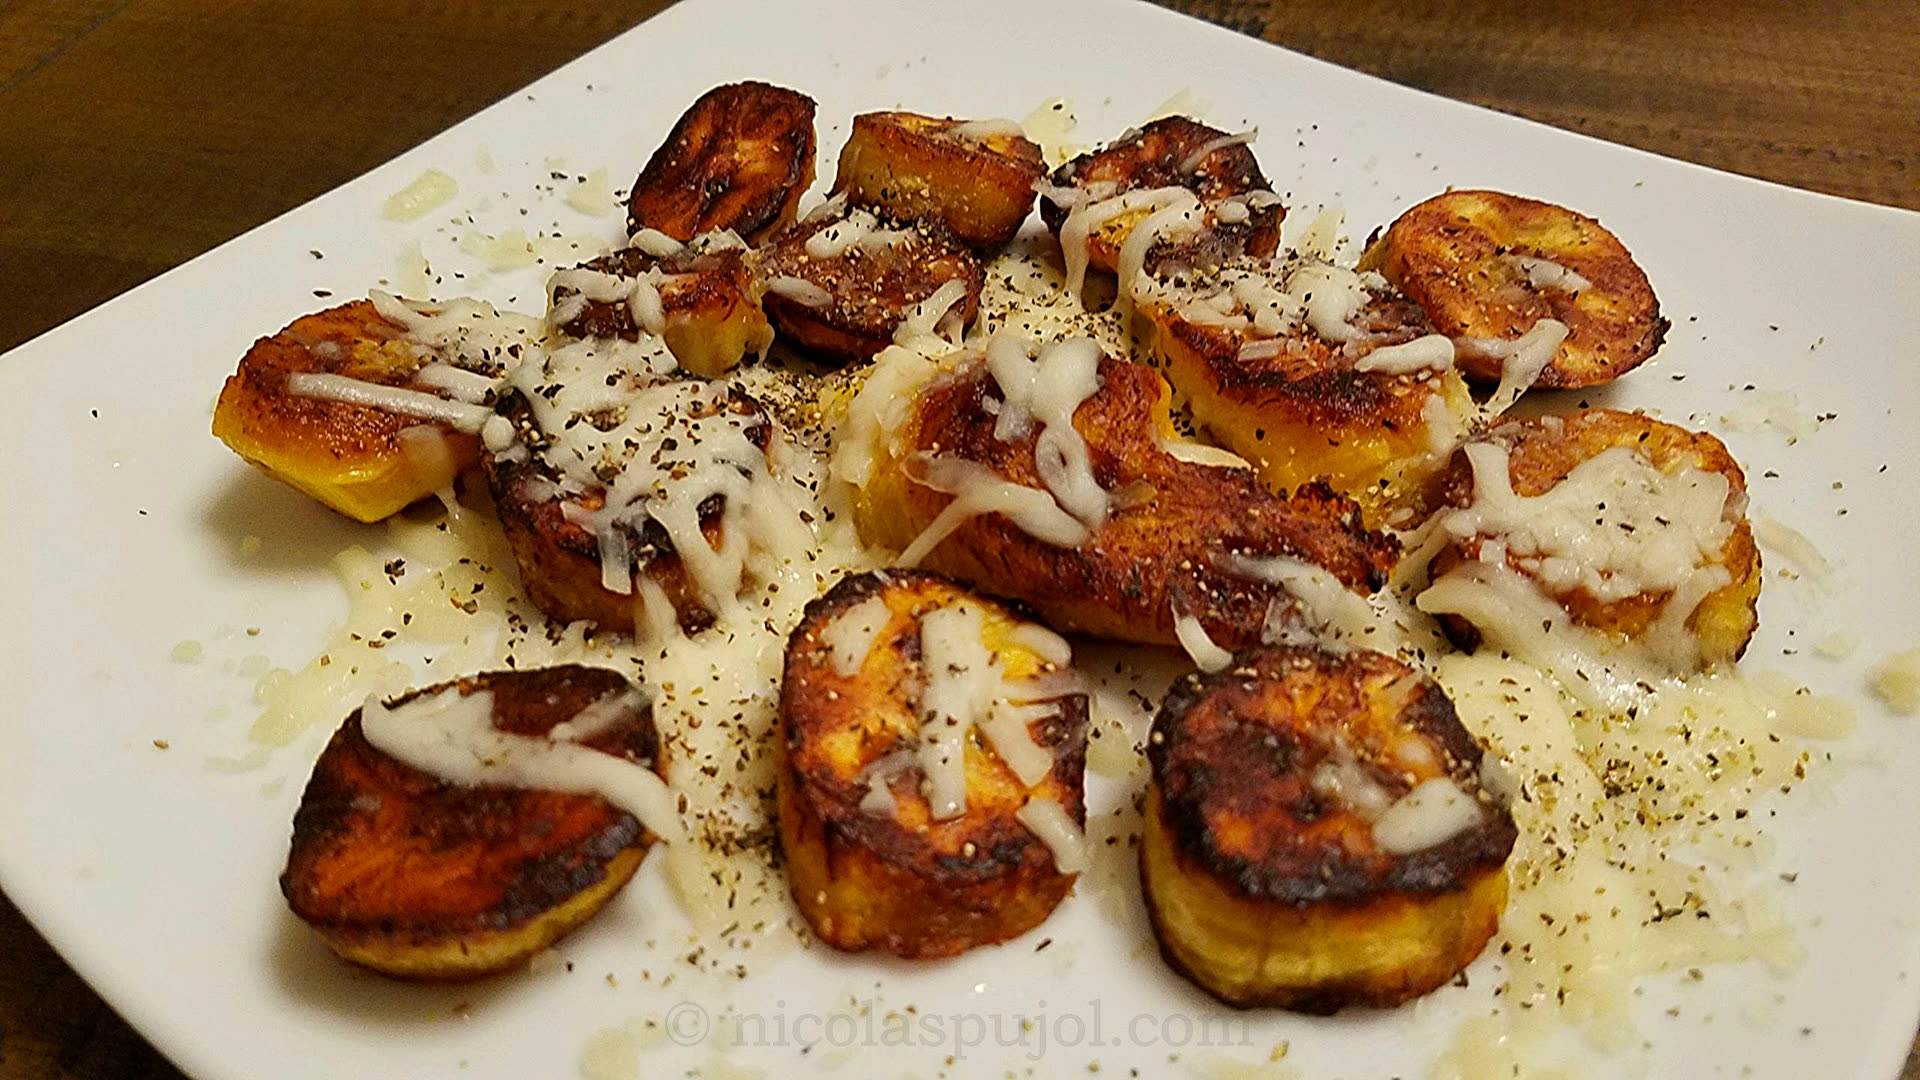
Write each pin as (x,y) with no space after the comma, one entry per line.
(154,874)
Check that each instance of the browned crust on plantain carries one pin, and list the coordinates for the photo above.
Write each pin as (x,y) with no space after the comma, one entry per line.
(1151,157)
(1237,745)
(347,456)
(739,158)
(711,302)
(918,168)
(1446,253)
(422,879)
(1241,834)
(559,560)
(871,291)
(1543,450)
(1163,552)
(1307,413)
(906,883)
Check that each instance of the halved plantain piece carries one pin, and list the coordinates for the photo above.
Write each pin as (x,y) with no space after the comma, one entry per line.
(1174,544)
(905,695)
(739,158)
(363,461)
(840,283)
(703,301)
(975,178)
(585,495)
(1315,833)
(410,876)
(1634,527)
(1487,266)
(1360,395)
(1172,152)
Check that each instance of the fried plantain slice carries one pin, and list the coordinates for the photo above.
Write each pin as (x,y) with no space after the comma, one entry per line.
(413,877)
(595,543)
(904,693)
(1172,152)
(363,461)
(1173,545)
(739,158)
(1359,394)
(1315,833)
(1487,266)
(1633,527)
(702,300)
(840,283)
(975,178)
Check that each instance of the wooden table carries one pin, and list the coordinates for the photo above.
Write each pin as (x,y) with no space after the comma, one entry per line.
(135,134)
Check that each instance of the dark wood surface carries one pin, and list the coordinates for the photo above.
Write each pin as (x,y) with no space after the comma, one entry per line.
(135,134)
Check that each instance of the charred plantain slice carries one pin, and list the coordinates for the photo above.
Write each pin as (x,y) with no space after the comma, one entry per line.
(1487,266)
(1172,152)
(1298,405)
(353,458)
(1172,545)
(1628,524)
(739,158)
(564,564)
(871,864)
(417,878)
(974,178)
(840,283)
(1315,834)
(701,300)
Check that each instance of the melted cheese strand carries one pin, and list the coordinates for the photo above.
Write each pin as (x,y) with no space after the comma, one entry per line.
(1522,361)
(451,737)
(1434,812)
(458,383)
(1007,728)
(329,387)
(468,332)
(1547,274)
(1050,390)
(1206,655)
(963,680)
(1332,296)
(660,449)
(1049,821)
(850,635)
(1179,213)
(1206,150)
(917,330)
(800,291)
(1328,609)
(1615,526)
(979,490)
(1514,617)
(1432,352)
(1089,214)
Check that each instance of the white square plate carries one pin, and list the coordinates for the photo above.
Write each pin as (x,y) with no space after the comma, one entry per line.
(155,874)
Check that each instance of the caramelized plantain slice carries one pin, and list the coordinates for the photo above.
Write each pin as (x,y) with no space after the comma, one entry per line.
(1172,152)
(702,300)
(974,178)
(1487,266)
(1360,395)
(739,158)
(840,283)
(596,544)
(363,461)
(1315,833)
(417,878)
(1634,528)
(1173,546)
(899,695)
